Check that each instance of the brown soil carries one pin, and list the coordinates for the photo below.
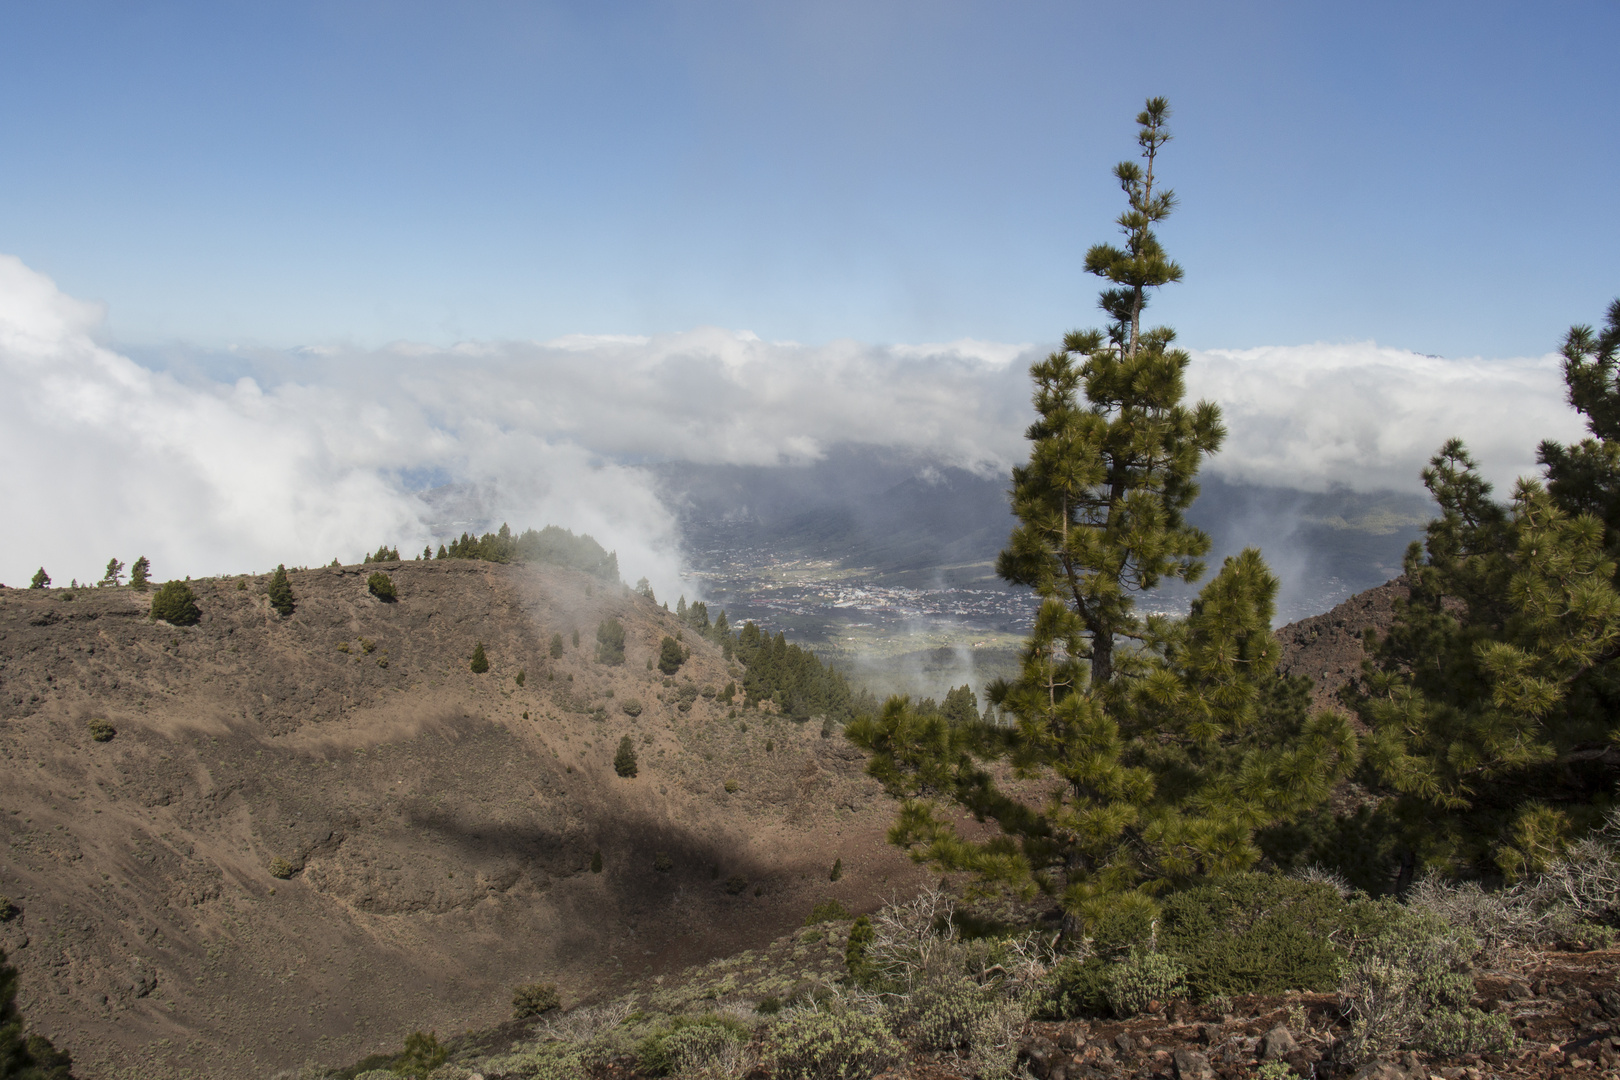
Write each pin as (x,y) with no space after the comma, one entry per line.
(440,842)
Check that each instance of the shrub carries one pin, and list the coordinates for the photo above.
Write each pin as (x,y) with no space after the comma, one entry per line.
(826,911)
(1075,985)
(831,1046)
(556,646)
(280,592)
(1406,984)
(856,959)
(139,571)
(943,1014)
(687,1044)
(533,999)
(624,761)
(381,586)
(731,787)
(670,655)
(423,1053)
(610,642)
(521,678)
(480,662)
(576,637)
(176,604)
(281,869)
(596,862)
(631,706)
(101,730)
(736,884)
(8,910)
(837,870)
(1255,933)
(1141,979)
(662,863)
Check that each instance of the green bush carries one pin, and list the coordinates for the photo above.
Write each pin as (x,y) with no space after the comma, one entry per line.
(1255,933)
(533,999)
(423,1053)
(1455,1032)
(1407,985)
(1075,985)
(624,760)
(8,910)
(670,655)
(480,662)
(282,869)
(101,730)
(831,1046)
(631,706)
(176,604)
(826,911)
(1132,984)
(861,936)
(837,870)
(610,642)
(688,1044)
(945,1014)
(556,646)
(381,586)
(280,592)
(521,678)
(596,862)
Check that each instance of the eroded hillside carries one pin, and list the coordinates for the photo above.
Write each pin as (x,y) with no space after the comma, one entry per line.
(439,824)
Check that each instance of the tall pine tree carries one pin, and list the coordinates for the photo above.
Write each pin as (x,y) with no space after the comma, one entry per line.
(1494,700)
(1146,752)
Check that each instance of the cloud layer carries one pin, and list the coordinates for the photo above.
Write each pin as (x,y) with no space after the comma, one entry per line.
(301,458)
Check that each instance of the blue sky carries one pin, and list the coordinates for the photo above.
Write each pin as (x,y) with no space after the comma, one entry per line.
(1435,177)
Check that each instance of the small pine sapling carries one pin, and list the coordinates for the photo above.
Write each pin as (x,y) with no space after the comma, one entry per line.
(837,870)
(480,662)
(280,592)
(522,676)
(670,655)
(556,646)
(624,762)
(139,571)
(113,575)
(382,587)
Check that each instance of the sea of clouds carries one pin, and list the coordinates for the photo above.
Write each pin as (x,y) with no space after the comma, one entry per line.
(301,457)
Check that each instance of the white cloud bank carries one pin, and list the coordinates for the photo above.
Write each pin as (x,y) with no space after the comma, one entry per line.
(309,456)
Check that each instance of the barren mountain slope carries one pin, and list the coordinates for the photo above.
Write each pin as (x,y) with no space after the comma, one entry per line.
(1327,648)
(441,841)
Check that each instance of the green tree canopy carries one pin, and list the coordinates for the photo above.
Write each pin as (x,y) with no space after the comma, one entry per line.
(610,642)
(280,592)
(624,760)
(114,573)
(670,655)
(176,604)
(1494,700)
(139,571)
(381,586)
(1146,752)
(480,662)
(40,580)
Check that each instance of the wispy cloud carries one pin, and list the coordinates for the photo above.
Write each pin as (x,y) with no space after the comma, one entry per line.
(299,457)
